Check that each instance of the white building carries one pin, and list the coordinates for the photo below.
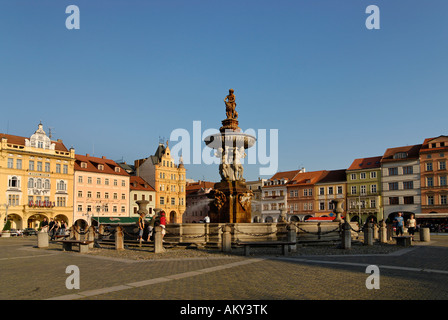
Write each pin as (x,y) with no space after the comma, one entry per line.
(400,179)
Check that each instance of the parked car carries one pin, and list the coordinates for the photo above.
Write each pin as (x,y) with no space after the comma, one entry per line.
(30,232)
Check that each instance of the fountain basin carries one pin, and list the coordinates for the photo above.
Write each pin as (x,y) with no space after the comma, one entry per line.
(230,139)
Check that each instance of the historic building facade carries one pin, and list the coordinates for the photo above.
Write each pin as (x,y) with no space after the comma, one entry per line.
(168,179)
(332,186)
(301,194)
(256,188)
(36,180)
(101,189)
(434,177)
(400,179)
(141,190)
(364,189)
(198,203)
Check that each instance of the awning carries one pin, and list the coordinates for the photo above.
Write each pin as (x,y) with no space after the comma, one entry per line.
(431,215)
(116,220)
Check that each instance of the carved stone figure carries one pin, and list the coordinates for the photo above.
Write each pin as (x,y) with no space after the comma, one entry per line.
(231,105)
(219,198)
(245,198)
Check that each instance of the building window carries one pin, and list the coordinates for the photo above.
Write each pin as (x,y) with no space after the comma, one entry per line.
(10,163)
(106,195)
(19,164)
(123,209)
(408,200)
(321,191)
(393,171)
(123,183)
(13,200)
(115,182)
(443,199)
(116,196)
(372,203)
(442,181)
(123,196)
(30,183)
(58,168)
(31,165)
(339,189)
(429,181)
(98,195)
(362,175)
(330,190)
(65,169)
(89,208)
(80,179)
(353,176)
(47,184)
(60,201)
(79,194)
(47,166)
(408,170)
(373,188)
(106,182)
(14,182)
(61,186)
(162,200)
(89,180)
(373,174)
(79,207)
(39,165)
(321,205)
(89,194)
(393,200)
(393,186)
(430,200)
(363,190)
(98,180)
(173,201)
(428,166)
(407,185)
(442,165)
(354,191)
(114,209)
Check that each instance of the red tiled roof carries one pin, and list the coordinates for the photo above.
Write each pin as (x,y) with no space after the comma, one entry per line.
(139,184)
(366,163)
(93,162)
(193,187)
(425,146)
(334,176)
(312,177)
(412,152)
(21,141)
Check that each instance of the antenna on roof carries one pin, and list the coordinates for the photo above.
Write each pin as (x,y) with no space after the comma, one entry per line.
(50,132)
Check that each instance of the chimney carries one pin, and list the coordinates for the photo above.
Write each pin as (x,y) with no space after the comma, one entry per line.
(87,155)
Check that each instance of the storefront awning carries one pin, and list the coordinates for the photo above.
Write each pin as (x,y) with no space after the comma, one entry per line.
(116,220)
(431,215)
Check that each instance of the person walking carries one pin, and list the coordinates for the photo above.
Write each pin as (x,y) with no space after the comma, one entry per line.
(399,224)
(411,224)
(151,227)
(51,229)
(141,226)
(44,225)
(163,224)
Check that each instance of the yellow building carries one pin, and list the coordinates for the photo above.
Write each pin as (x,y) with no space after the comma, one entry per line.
(330,187)
(36,180)
(168,180)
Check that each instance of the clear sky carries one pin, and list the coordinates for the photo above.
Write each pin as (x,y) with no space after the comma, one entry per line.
(138,69)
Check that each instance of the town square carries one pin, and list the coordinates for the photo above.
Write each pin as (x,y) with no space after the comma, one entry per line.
(223,158)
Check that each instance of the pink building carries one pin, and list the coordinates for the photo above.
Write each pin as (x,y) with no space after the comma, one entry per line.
(101,189)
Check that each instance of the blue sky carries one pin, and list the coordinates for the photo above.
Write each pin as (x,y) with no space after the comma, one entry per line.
(139,69)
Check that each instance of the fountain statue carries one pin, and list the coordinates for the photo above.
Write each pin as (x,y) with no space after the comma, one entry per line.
(231,198)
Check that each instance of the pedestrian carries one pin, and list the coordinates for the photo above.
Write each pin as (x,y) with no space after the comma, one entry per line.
(44,225)
(163,223)
(141,226)
(411,224)
(57,226)
(400,224)
(63,227)
(151,227)
(207,219)
(51,228)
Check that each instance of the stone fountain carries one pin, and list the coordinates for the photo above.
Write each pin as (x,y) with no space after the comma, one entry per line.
(231,198)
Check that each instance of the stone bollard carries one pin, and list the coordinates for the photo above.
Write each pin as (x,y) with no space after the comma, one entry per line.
(91,237)
(346,236)
(72,232)
(383,232)
(42,239)
(292,237)
(368,234)
(119,238)
(375,231)
(226,239)
(425,235)
(158,243)
(390,232)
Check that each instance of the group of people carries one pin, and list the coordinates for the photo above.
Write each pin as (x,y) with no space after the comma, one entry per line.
(399,224)
(155,220)
(54,227)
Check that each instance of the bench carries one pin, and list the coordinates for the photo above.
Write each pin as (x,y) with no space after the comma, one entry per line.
(249,244)
(83,245)
(404,241)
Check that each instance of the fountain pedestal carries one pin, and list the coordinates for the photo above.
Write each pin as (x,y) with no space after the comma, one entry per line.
(231,198)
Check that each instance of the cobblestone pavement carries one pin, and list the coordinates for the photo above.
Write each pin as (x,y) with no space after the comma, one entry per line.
(30,273)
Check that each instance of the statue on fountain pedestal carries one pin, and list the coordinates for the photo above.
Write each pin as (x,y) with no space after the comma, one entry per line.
(231,105)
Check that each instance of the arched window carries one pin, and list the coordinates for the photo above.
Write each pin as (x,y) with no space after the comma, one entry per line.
(39,184)
(61,186)
(47,184)
(30,183)
(14,182)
